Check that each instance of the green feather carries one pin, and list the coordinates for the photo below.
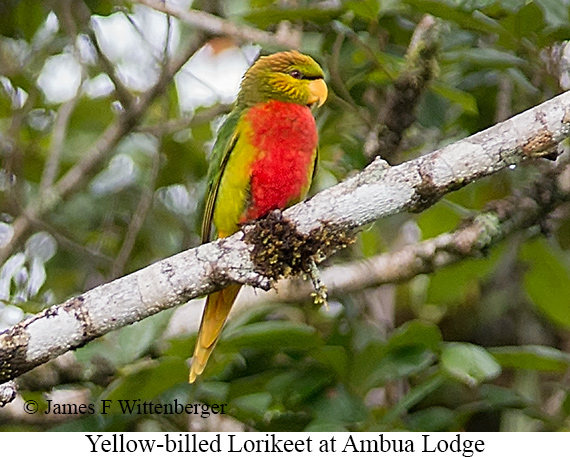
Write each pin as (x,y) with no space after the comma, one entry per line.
(285,76)
(227,138)
(270,78)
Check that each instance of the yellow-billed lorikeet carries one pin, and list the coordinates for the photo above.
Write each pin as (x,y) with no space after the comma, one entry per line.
(263,159)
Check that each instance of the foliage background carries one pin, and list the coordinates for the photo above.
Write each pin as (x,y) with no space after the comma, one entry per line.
(482,345)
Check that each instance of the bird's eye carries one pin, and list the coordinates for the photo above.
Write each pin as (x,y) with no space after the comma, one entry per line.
(296,74)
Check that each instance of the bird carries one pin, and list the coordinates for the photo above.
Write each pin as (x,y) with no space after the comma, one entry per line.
(263,159)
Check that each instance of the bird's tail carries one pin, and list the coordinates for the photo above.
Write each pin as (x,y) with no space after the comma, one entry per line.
(218,306)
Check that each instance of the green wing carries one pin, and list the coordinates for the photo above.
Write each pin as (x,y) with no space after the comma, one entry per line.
(227,138)
(315,163)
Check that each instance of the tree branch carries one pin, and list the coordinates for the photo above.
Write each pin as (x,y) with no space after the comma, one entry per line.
(218,26)
(398,110)
(75,178)
(312,230)
(470,240)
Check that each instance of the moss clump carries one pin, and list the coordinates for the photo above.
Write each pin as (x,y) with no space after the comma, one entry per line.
(279,250)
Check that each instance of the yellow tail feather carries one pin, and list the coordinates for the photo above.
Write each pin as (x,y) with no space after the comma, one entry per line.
(217,308)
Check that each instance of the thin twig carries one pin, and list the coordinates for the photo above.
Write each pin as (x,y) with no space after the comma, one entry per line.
(57,141)
(218,26)
(137,220)
(65,240)
(13,153)
(121,90)
(504,98)
(320,294)
(76,177)
(335,75)
(181,123)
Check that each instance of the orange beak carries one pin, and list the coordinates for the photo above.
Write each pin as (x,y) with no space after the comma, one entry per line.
(318,92)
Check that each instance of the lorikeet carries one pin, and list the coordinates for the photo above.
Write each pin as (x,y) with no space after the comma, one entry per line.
(263,159)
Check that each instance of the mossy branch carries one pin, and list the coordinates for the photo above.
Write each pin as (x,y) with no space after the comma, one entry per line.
(324,224)
(473,238)
(398,110)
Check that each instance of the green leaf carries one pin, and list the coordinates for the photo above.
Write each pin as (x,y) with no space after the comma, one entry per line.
(414,396)
(272,335)
(436,220)
(366,9)
(398,364)
(541,358)
(21,18)
(184,160)
(340,406)
(467,101)
(295,389)
(252,315)
(128,344)
(213,391)
(333,357)
(91,422)
(452,285)
(470,5)
(147,381)
(264,17)
(89,118)
(435,419)
(136,339)
(101,7)
(409,350)
(555,11)
(260,3)
(432,111)
(566,405)
(415,333)
(484,57)
(320,425)
(93,114)
(521,80)
(474,20)
(253,406)
(547,281)
(512,5)
(501,397)
(364,363)
(469,363)
(527,22)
